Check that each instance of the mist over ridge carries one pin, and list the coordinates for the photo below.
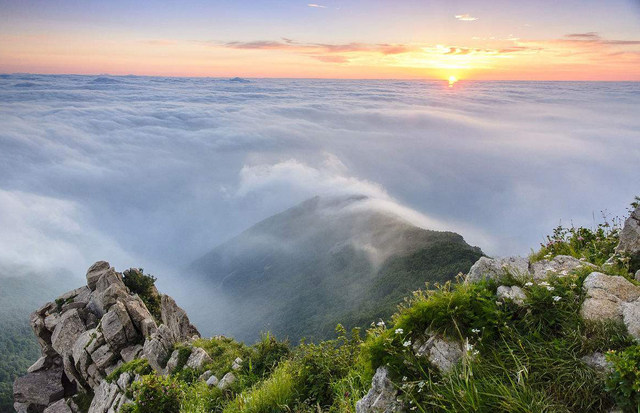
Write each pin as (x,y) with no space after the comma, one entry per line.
(152,172)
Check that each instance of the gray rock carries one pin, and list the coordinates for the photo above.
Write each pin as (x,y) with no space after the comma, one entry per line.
(206,375)
(227,381)
(237,364)
(198,358)
(176,319)
(124,380)
(560,265)
(631,317)
(81,359)
(158,347)
(637,276)
(114,293)
(515,294)
(51,321)
(498,268)
(381,398)
(60,406)
(597,361)
(103,356)
(172,364)
(441,352)
(67,331)
(131,353)
(104,397)
(117,327)
(42,363)
(630,235)
(212,381)
(140,315)
(39,389)
(95,272)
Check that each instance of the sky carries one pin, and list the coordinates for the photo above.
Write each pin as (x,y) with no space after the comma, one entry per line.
(362,39)
(155,172)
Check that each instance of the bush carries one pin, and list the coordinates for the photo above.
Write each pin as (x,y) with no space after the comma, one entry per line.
(272,395)
(624,381)
(266,354)
(156,394)
(144,285)
(137,366)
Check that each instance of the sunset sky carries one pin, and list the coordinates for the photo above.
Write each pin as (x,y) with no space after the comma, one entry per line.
(498,39)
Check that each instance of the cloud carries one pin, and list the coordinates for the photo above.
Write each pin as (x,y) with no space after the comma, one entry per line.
(584,36)
(465,17)
(317,6)
(153,172)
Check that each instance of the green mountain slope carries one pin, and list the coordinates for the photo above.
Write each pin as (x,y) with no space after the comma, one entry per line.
(325,261)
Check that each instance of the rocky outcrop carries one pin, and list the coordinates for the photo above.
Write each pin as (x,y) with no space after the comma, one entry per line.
(86,334)
(630,236)
(612,297)
(381,398)
(514,294)
(441,352)
(499,269)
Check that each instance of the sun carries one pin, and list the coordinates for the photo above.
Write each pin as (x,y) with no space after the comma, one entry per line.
(452,80)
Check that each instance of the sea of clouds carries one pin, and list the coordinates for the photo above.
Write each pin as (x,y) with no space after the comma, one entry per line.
(153,172)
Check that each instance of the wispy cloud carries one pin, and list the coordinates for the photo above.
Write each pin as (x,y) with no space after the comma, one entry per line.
(317,6)
(584,36)
(466,17)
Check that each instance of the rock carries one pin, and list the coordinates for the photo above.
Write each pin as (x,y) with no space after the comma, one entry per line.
(42,363)
(206,375)
(198,358)
(79,353)
(176,319)
(95,272)
(114,293)
(67,331)
(172,364)
(561,265)
(441,352)
(597,361)
(212,381)
(381,398)
(51,321)
(117,327)
(237,364)
(104,398)
(227,381)
(103,356)
(60,406)
(139,315)
(612,297)
(39,389)
(497,268)
(124,380)
(637,276)
(157,348)
(630,236)
(515,294)
(131,353)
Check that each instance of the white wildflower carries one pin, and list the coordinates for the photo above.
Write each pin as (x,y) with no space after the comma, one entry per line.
(468,346)
(544,283)
(404,378)
(381,323)
(407,343)
(421,384)
(475,330)
(399,331)
(556,298)
(550,288)
(528,284)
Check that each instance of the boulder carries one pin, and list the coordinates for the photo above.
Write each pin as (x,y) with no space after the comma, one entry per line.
(131,353)
(157,348)
(172,364)
(104,397)
(117,327)
(497,269)
(561,265)
(81,359)
(35,391)
(442,352)
(206,375)
(612,297)
(139,315)
(198,358)
(103,356)
(381,398)
(124,381)
(60,406)
(226,381)
(67,331)
(630,236)
(212,381)
(176,319)
(95,272)
(514,294)
(237,364)
(42,363)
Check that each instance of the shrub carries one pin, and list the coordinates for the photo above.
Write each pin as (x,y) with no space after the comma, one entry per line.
(137,366)
(144,285)
(271,395)
(266,355)
(624,381)
(200,398)
(156,394)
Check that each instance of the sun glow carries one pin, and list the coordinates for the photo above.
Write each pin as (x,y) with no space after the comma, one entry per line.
(452,80)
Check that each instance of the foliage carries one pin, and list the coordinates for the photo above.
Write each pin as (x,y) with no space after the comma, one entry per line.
(156,394)
(144,285)
(271,395)
(624,381)
(136,366)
